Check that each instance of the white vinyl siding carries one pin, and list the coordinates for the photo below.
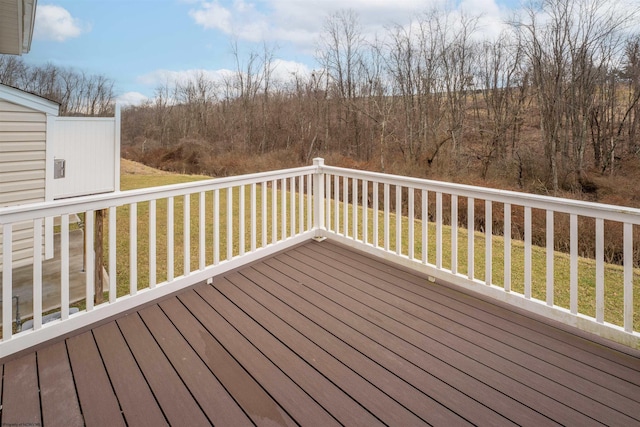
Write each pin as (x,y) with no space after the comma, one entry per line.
(22,168)
(9,23)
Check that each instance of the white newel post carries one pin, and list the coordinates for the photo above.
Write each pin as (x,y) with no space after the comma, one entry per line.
(318,195)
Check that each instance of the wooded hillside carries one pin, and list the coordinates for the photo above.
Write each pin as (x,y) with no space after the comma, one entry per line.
(551,105)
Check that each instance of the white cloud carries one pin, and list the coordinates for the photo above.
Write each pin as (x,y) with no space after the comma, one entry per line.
(132,98)
(211,15)
(162,77)
(56,23)
(282,70)
(300,22)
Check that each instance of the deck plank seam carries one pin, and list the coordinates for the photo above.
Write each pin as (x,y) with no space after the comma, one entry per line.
(88,335)
(625,378)
(73,377)
(170,362)
(156,351)
(293,352)
(104,367)
(39,389)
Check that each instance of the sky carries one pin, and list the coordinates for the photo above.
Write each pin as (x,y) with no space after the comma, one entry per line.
(140,44)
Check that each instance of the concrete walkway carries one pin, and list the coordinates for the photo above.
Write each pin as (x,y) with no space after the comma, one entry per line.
(23,278)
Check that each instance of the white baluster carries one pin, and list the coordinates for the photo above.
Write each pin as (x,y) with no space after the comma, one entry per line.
(488,242)
(550,257)
(37,273)
(507,247)
(133,248)
(170,240)
(152,245)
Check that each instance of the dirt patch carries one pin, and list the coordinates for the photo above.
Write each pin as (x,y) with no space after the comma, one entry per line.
(134,168)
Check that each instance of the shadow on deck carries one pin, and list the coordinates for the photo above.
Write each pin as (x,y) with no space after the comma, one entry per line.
(324,335)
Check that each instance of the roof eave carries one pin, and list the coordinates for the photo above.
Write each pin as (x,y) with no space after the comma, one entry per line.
(30,100)
(28,21)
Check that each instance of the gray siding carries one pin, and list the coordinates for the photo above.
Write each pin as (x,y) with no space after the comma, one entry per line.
(22,168)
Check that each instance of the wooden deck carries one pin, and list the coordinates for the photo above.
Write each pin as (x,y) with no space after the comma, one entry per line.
(324,335)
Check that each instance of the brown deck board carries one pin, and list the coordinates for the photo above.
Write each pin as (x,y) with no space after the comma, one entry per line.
(98,402)
(342,406)
(214,400)
(59,401)
(294,399)
(512,320)
(449,310)
(321,334)
(256,402)
(455,381)
(128,382)
(21,404)
(273,295)
(501,360)
(346,369)
(177,403)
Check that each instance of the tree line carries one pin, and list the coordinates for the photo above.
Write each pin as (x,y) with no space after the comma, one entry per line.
(555,95)
(553,98)
(78,93)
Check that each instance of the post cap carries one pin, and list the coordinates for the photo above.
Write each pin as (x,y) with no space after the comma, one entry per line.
(318,161)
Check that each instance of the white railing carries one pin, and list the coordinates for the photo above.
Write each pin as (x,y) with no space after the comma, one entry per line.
(426,225)
(438,228)
(235,220)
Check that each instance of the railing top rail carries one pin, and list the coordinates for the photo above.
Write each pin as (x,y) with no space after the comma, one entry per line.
(102,201)
(556,204)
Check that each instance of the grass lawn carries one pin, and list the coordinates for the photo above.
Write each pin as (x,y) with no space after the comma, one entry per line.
(614,303)
(586,281)
(137,180)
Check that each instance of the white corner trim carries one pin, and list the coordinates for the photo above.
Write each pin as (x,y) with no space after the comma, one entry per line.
(48,184)
(116,160)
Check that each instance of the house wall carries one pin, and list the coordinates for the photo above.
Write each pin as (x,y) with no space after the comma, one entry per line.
(9,22)
(22,168)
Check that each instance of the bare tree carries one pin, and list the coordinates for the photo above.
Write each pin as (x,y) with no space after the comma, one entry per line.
(12,68)
(570,45)
(164,100)
(341,56)
(631,74)
(502,85)
(457,55)
(77,93)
